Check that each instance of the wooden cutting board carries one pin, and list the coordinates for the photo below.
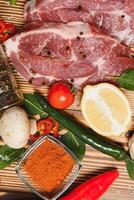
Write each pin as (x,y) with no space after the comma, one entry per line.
(94,161)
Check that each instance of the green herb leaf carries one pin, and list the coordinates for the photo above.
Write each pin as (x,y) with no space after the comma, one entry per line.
(130,166)
(8,155)
(12,2)
(31,105)
(126,80)
(76,145)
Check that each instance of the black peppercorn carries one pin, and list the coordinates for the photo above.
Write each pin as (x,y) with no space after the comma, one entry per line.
(78,38)
(30,80)
(49,53)
(72,80)
(81,33)
(79,8)
(67,48)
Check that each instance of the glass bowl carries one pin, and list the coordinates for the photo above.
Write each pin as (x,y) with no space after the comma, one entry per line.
(20,170)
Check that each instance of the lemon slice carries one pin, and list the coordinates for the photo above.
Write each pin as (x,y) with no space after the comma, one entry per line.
(106,109)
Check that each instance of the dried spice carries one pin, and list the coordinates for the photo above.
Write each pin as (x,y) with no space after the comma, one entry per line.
(9,94)
(49,165)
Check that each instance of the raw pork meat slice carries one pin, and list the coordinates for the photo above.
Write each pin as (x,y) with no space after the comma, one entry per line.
(116,17)
(79,52)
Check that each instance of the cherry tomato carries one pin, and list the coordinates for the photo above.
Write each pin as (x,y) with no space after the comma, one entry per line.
(60,96)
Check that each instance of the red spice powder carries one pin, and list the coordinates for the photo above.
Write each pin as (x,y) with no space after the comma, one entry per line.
(49,165)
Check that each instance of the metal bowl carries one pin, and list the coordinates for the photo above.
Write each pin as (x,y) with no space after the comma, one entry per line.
(20,170)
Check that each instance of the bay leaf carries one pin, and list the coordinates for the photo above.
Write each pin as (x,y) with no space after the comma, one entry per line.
(31,105)
(126,80)
(9,155)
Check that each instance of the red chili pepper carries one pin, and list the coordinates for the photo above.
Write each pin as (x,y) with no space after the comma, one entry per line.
(2,26)
(45,126)
(34,137)
(94,188)
(56,127)
(4,37)
(6,30)
(10,28)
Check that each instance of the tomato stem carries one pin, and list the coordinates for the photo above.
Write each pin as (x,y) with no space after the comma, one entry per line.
(73,90)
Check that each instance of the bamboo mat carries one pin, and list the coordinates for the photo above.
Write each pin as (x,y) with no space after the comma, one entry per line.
(94,161)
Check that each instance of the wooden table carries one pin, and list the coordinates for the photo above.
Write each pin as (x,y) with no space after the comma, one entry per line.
(94,161)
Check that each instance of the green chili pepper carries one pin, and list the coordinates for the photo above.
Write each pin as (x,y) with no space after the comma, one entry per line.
(87,135)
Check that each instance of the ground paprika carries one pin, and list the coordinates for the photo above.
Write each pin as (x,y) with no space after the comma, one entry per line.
(49,165)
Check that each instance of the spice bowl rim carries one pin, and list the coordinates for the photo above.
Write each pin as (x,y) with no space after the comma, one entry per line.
(31,149)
